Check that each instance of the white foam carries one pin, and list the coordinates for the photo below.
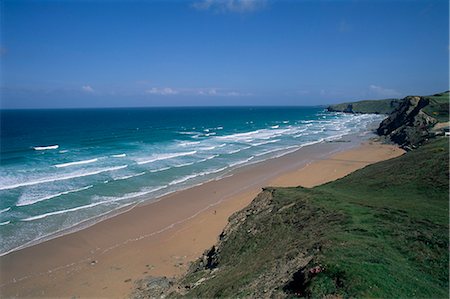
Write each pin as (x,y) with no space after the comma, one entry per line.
(160,169)
(207,158)
(241,162)
(191,176)
(275,127)
(214,171)
(129,176)
(61,178)
(312,142)
(27,202)
(288,150)
(47,147)
(63,151)
(185,164)
(238,135)
(300,135)
(119,156)
(5,223)
(188,143)
(183,179)
(238,150)
(234,151)
(268,152)
(207,148)
(265,142)
(5,210)
(165,157)
(76,163)
(62,211)
(109,200)
(252,135)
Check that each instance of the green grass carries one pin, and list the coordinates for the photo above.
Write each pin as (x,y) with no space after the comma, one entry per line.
(396,243)
(379,232)
(370,106)
(439,106)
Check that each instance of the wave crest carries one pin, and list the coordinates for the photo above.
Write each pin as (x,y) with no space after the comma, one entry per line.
(46,147)
(76,163)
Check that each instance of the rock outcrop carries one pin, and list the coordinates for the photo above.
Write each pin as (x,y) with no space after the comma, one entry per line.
(408,125)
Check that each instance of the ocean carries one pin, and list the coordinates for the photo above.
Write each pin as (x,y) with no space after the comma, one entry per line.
(63,168)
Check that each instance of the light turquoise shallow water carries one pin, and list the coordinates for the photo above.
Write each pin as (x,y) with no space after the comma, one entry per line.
(62,167)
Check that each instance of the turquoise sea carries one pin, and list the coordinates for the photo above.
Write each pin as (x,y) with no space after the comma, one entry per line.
(62,168)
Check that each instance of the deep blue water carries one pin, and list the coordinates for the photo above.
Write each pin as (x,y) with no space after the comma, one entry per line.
(62,167)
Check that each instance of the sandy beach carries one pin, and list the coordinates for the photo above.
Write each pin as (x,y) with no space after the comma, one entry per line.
(162,237)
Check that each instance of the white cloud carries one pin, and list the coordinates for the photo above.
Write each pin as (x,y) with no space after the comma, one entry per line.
(212,92)
(385,92)
(162,91)
(207,91)
(234,6)
(87,88)
(220,92)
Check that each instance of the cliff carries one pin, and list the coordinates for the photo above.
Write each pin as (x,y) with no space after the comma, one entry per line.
(411,121)
(381,231)
(364,235)
(368,106)
(416,120)
(408,125)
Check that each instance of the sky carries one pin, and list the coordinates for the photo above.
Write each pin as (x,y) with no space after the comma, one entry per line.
(65,54)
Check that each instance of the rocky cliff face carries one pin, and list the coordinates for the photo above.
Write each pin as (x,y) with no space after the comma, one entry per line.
(270,245)
(408,125)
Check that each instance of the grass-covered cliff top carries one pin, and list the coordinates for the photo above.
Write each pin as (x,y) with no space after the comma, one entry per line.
(368,106)
(381,231)
(438,106)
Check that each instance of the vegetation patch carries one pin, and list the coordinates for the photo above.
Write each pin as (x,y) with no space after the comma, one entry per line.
(381,231)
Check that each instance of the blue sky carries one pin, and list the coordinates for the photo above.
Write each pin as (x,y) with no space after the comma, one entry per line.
(63,54)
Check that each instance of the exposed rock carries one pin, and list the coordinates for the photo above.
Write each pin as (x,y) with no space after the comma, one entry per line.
(211,257)
(348,109)
(441,129)
(152,287)
(408,125)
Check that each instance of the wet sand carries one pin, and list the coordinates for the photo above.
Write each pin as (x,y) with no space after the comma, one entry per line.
(162,237)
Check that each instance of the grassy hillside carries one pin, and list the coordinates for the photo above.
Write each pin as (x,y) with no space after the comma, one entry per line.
(438,107)
(368,106)
(379,232)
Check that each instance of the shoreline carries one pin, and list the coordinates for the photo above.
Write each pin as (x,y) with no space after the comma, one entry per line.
(84,224)
(161,237)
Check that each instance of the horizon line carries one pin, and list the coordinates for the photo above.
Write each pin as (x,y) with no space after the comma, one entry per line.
(144,107)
